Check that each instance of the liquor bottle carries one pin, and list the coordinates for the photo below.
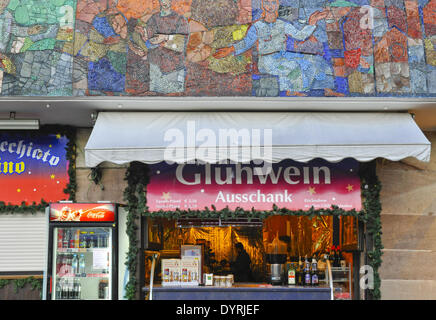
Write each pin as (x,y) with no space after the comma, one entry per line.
(315,279)
(300,274)
(306,263)
(307,276)
(291,275)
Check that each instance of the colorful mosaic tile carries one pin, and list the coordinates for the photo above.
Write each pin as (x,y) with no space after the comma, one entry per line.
(34,55)
(261,48)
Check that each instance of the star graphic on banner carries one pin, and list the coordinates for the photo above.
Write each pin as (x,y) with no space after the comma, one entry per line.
(166,196)
(58,136)
(350,188)
(18,190)
(52,176)
(311,190)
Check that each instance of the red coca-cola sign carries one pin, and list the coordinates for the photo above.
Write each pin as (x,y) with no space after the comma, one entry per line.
(82,212)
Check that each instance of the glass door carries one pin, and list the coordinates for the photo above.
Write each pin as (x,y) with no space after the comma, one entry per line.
(82,267)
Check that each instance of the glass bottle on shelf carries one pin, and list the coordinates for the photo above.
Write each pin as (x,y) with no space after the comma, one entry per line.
(82,264)
(82,239)
(314,273)
(291,275)
(66,237)
(60,242)
(306,263)
(58,291)
(307,275)
(79,290)
(71,239)
(77,238)
(300,275)
(75,264)
(92,239)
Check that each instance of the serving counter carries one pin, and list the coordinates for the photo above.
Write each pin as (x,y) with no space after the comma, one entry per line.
(239,291)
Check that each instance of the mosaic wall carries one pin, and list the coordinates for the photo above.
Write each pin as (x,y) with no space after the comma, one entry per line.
(34,39)
(263,48)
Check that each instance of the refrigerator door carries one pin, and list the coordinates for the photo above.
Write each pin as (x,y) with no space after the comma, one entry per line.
(82,263)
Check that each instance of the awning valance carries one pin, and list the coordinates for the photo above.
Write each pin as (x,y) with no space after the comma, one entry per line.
(151,137)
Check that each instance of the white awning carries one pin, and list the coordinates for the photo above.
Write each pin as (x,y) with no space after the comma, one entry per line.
(151,137)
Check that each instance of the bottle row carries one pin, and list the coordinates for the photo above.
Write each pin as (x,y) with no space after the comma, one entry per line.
(336,257)
(304,274)
(68,289)
(74,265)
(76,238)
(71,289)
(310,273)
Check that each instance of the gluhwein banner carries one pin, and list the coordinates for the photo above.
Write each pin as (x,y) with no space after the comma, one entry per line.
(288,184)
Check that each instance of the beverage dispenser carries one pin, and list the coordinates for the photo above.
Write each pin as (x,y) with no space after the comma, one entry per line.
(276,253)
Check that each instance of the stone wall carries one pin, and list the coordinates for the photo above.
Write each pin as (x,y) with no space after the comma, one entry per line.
(112,176)
(408,199)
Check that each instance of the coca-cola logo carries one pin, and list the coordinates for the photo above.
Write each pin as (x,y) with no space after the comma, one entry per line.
(78,212)
(96,215)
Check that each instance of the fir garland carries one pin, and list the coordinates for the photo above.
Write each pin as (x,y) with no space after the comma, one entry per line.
(35,283)
(371,187)
(135,195)
(71,187)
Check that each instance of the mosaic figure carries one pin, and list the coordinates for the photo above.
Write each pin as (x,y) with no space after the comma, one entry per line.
(297,72)
(108,72)
(166,37)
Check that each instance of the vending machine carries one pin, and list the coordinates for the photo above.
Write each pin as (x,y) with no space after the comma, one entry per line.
(82,251)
